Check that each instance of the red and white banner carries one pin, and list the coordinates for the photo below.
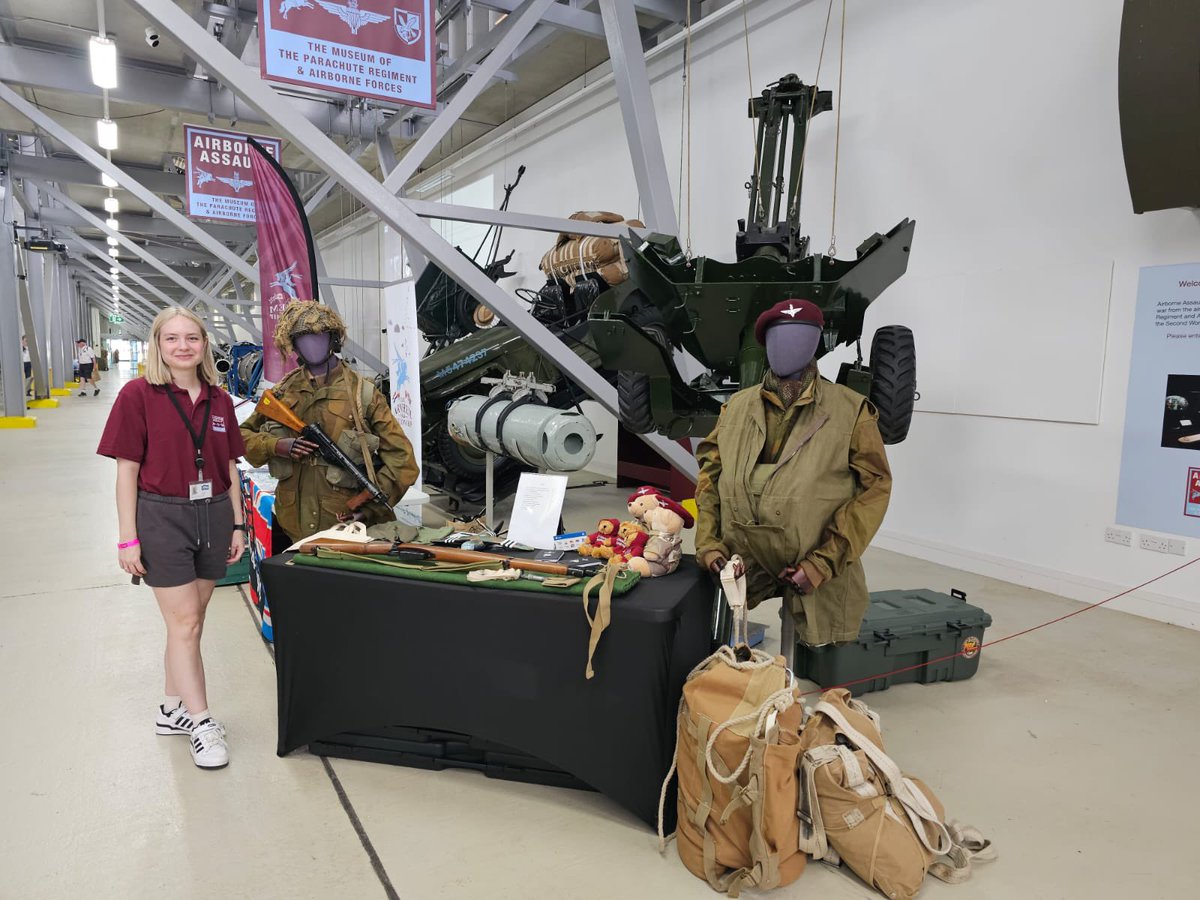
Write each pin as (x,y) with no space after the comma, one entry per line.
(219,182)
(383,49)
(287,264)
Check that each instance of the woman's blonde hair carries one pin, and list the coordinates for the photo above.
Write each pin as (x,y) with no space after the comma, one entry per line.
(157,371)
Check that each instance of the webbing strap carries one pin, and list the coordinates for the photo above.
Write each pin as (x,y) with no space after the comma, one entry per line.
(605,579)
(358,410)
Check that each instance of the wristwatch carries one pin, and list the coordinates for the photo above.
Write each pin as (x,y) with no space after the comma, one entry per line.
(241,526)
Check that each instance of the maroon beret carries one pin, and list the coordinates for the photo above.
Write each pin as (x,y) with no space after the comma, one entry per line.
(804,311)
(677,508)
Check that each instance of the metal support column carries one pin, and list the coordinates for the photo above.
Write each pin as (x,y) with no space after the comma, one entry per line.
(10,326)
(637,109)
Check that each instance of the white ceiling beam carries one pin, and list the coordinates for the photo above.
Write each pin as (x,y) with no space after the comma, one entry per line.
(515,28)
(156,203)
(46,70)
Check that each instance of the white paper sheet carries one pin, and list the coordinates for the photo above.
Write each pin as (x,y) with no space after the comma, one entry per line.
(537,509)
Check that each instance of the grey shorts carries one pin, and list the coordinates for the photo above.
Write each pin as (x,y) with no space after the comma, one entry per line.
(183,540)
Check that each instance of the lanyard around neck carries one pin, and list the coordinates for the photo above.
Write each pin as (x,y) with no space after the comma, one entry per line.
(197,439)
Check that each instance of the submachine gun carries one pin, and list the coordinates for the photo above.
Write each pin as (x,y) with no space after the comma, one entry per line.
(278,411)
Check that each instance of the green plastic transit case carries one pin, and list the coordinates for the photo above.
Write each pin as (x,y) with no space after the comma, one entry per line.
(902,629)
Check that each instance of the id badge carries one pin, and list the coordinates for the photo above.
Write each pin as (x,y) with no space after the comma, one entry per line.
(200,490)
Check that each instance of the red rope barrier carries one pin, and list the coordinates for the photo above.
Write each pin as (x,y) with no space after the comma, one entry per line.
(1007,637)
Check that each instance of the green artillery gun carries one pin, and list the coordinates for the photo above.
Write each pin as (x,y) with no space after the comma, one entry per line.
(708,308)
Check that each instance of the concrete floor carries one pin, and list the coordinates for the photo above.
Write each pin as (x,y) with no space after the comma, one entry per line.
(1066,747)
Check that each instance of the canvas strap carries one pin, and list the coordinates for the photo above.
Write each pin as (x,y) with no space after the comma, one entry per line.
(357,409)
(604,579)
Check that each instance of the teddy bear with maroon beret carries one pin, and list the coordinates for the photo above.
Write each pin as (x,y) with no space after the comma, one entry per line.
(664,519)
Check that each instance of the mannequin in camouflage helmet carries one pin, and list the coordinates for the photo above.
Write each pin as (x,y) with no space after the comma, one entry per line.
(312,494)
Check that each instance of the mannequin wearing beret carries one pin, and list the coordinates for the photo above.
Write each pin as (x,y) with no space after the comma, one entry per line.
(795,480)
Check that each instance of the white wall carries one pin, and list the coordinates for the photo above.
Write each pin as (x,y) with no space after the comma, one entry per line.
(995,126)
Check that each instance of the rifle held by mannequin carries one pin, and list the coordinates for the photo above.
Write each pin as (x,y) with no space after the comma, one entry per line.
(278,411)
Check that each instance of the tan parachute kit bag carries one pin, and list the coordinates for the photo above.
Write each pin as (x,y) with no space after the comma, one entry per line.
(858,808)
(575,255)
(737,755)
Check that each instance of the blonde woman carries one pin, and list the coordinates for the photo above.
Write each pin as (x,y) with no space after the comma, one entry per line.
(176,443)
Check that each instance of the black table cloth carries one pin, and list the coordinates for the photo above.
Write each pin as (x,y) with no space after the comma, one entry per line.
(355,651)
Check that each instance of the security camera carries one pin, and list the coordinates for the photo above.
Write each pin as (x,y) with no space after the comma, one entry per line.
(151,36)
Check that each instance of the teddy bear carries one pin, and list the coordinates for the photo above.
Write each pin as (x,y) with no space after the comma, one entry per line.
(601,541)
(642,501)
(663,548)
(631,537)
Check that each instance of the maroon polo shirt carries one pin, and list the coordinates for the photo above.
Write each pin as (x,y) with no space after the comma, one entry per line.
(145,427)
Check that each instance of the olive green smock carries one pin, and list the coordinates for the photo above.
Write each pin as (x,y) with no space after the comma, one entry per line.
(801,484)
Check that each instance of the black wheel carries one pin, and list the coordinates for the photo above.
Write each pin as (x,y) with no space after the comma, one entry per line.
(894,380)
(633,389)
(467,462)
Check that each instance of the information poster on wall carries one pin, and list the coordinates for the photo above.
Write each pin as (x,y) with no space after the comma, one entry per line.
(1160,459)
(404,361)
(220,184)
(382,49)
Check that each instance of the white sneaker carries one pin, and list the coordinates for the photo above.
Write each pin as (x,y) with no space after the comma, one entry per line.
(208,745)
(175,721)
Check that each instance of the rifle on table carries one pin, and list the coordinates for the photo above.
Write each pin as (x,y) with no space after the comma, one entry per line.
(444,554)
(278,411)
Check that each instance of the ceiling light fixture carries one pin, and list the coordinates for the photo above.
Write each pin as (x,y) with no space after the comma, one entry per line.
(114,252)
(112,205)
(112,241)
(103,53)
(113,270)
(106,134)
(108,181)
(113,224)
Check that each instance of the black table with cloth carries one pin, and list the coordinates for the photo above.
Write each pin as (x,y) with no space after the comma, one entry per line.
(356,651)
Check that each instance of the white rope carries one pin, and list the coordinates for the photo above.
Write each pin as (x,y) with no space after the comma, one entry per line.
(777,702)
(794,205)
(753,130)
(837,141)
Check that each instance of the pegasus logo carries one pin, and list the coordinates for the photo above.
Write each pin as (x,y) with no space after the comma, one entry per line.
(286,281)
(236,182)
(288,5)
(408,25)
(349,13)
(792,311)
(202,177)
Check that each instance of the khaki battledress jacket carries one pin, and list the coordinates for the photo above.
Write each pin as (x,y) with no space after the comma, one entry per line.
(306,500)
(805,484)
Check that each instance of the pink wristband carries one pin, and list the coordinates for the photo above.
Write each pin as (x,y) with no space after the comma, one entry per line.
(132,543)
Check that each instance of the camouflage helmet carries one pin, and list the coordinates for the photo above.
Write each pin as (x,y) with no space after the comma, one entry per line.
(307,317)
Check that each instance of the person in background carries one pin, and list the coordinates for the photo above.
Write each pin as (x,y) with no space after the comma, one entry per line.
(28,365)
(116,357)
(176,442)
(86,358)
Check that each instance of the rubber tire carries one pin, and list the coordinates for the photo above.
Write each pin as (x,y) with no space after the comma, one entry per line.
(893,380)
(633,390)
(466,462)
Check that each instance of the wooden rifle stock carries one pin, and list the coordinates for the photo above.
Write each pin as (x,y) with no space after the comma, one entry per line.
(277,411)
(444,554)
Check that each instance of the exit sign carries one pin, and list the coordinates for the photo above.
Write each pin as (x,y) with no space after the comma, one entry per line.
(115,319)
